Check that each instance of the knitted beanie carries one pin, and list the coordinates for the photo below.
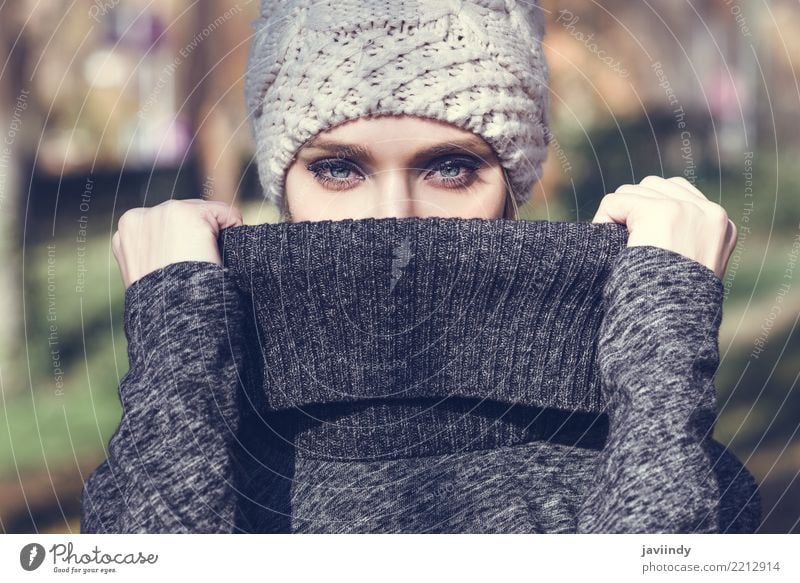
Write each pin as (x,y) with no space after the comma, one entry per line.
(479,65)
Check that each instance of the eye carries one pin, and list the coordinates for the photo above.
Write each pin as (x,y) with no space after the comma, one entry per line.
(450,172)
(335,174)
(453,172)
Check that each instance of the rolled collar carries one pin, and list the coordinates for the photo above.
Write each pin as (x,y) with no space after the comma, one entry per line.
(406,308)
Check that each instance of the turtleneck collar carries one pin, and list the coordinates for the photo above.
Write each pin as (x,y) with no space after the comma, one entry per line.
(358,314)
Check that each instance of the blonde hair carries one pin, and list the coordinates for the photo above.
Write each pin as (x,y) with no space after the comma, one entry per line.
(511,207)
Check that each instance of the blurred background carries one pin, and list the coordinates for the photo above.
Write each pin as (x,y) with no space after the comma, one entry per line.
(113,104)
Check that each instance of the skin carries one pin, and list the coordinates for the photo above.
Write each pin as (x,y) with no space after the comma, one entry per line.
(399,179)
(672,214)
(386,167)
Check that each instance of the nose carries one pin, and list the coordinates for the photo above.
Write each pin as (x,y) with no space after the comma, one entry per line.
(395,194)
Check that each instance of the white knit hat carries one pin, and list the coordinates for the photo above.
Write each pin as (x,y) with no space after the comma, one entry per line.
(478,65)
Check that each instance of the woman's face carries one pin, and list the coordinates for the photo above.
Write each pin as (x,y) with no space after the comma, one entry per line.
(395,166)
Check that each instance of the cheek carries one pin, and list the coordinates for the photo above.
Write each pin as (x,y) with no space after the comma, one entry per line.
(296,193)
(295,180)
(489,198)
(488,190)
(307,199)
(481,201)
(301,189)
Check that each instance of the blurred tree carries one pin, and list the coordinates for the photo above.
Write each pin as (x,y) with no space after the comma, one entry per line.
(14,152)
(211,91)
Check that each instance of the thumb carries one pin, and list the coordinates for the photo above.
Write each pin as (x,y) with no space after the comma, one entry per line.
(615,208)
(221,216)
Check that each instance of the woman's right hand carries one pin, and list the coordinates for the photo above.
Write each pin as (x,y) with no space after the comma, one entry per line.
(148,239)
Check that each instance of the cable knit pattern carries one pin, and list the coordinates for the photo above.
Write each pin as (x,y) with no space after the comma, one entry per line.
(423,375)
(478,65)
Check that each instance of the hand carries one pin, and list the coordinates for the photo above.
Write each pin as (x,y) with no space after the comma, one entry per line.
(176,230)
(674,215)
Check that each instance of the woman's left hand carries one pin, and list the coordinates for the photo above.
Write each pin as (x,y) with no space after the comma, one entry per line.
(672,214)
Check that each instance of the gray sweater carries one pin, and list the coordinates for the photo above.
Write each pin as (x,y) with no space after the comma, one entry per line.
(422,375)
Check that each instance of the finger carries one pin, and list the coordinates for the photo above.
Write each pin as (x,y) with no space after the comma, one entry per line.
(235,219)
(688,186)
(652,193)
(673,188)
(116,247)
(202,201)
(638,189)
(129,227)
(115,244)
(617,207)
(224,216)
(733,238)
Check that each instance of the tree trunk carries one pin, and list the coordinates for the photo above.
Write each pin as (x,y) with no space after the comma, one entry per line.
(212,90)
(16,97)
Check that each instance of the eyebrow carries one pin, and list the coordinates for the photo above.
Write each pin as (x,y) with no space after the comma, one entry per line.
(361,153)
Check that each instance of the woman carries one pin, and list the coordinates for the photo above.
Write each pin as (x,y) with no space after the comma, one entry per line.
(400,354)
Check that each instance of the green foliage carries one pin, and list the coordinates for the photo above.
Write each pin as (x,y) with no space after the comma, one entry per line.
(52,423)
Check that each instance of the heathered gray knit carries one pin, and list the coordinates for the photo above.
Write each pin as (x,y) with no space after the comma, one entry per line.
(423,375)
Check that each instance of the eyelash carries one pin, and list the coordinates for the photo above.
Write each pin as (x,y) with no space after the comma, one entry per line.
(319,166)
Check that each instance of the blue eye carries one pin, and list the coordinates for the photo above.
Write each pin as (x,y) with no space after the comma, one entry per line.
(454,172)
(335,174)
(450,172)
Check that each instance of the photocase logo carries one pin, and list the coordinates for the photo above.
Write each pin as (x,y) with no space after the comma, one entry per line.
(402,256)
(31,556)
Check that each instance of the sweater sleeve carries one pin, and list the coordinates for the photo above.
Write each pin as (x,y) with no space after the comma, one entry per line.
(661,471)
(170,462)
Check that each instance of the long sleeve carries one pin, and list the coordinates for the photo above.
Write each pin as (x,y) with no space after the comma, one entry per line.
(171,461)
(661,471)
